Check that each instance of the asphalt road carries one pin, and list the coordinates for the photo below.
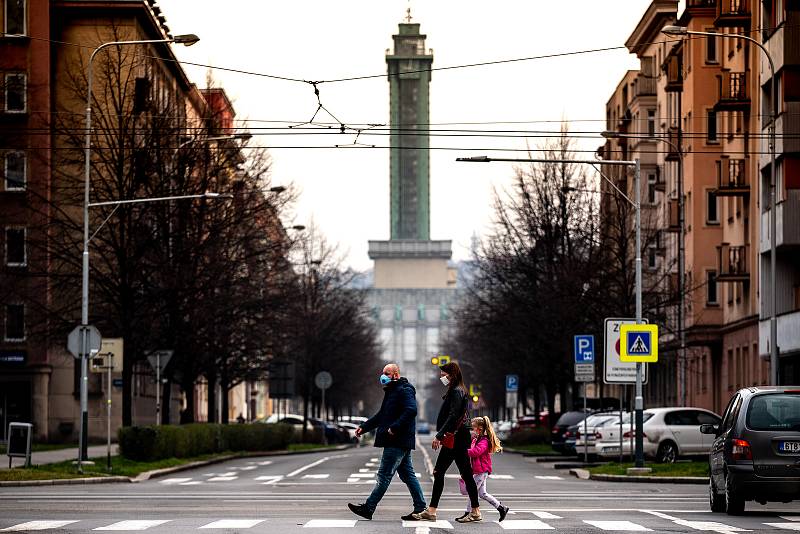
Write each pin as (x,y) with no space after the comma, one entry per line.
(294,493)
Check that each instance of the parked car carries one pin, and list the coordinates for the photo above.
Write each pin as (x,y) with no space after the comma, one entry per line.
(525,422)
(350,428)
(315,432)
(356,419)
(503,430)
(558,435)
(333,432)
(669,433)
(755,455)
(575,437)
(423,427)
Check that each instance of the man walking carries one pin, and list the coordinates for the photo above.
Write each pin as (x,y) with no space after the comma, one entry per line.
(396,433)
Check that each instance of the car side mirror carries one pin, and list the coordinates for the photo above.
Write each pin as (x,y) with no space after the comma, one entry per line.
(709,429)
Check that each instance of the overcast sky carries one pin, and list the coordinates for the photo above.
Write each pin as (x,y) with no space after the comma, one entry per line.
(346,190)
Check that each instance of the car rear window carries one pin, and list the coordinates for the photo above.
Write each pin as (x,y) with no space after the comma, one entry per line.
(780,411)
(571,418)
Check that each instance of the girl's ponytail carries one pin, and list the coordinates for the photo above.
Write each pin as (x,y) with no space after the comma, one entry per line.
(494,442)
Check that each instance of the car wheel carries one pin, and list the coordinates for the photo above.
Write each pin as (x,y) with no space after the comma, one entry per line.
(715,500)
(734,503)
(667,453)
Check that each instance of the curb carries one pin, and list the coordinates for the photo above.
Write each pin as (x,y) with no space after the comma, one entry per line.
(147,475)
(663,480)
(582,474)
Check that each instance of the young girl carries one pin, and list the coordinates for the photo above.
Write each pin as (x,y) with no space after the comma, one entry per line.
(484,444)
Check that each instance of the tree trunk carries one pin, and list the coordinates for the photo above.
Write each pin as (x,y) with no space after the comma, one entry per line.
(187,415)
(166,400)
(223,416)
(211,380)
(127,390)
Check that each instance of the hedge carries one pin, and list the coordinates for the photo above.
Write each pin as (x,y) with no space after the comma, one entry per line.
(149,443)
(527,436)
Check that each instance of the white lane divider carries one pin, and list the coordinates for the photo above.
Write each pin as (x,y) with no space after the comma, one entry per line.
(546,515)
(269,479)
(191,483)
(331,523)
(265,462)
(169,481)
(525,524)
(38,525)
(502,477)
(790,517)
(708,526)
(248,468)
(307,467)
(785,526)
(548,477)
(134,524)
(425,454)
(320,476)
(620,526)
(234,523)
(222,478)
(427,525)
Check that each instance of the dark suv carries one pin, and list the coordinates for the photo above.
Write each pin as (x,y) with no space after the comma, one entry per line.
(756,453)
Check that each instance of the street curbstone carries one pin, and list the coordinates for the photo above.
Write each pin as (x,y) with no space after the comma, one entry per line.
(582,474)
(651,479)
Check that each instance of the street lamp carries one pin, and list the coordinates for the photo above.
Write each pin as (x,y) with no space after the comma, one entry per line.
(639,401)
(608,134)
(774,372)
(187,40)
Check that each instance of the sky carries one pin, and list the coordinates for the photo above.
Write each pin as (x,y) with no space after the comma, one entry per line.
(345,190)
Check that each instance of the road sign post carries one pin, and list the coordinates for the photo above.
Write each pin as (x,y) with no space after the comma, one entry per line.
(323,380)
(158,361)
(584,372)
(512,395)
(81,342)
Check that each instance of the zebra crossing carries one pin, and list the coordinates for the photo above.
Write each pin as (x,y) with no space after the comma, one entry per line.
(522,520)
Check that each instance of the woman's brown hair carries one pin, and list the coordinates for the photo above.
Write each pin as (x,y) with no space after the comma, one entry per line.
(456,378)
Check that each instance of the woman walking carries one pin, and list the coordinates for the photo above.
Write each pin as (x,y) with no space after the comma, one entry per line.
(484,444)
(453,439)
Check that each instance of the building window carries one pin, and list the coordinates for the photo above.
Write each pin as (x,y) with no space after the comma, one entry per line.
(409,344)
(711,288)
(15,171)
(15,93)
(15,322)
(652,257)
(387,340)
(651,188)
(711,126)
(432,340)
(712,207)
(15,247)
(651,122)
(711,47)
(14,17)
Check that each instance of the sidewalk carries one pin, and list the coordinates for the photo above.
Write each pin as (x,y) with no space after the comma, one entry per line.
(49,457)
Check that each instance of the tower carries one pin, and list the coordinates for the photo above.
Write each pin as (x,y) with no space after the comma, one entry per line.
(408,66)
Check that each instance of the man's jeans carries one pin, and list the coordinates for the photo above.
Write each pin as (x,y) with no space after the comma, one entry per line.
(396,460)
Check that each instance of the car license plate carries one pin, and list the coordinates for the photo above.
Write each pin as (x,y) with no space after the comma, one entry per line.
(789,446)
(611,449)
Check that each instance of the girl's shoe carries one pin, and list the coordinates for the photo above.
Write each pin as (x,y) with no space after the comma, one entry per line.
(462,516)
(503,511)
(425,516)
(470,518)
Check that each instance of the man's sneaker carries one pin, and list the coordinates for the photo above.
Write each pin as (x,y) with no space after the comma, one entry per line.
(462,516)
(470,518)
(503,511)
(360,510)
(411,516)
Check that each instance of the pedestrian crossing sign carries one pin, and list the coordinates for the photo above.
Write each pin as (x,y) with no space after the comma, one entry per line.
(639,343)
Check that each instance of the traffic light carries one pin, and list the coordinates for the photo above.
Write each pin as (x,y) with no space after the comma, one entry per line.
(475,398)
(440,360)
(435,360)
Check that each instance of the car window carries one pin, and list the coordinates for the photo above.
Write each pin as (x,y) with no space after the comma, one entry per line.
(705,418)
(645,417)
(681,418)
(731,413)
(774,412)
(571,418)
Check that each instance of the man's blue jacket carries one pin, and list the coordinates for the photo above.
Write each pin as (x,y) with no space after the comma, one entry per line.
(398,413)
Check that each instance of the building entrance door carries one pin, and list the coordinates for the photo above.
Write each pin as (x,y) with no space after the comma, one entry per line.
(15,405)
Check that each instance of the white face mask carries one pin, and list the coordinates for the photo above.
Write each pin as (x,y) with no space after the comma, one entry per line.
(445,380)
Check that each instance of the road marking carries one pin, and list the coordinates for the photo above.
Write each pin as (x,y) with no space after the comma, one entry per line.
(228,474)
(271,478)
(548,477)
(134,524)
(362,475)
(316,476)
(618,525)
(546,515)
(175,480)
(426,455)
(192,483)
(451,475)
(366,471)
(38,525)
(374,460)
(709,526)
(351,480)
(307,467)
(790,517)
(234,523)
(248,468)
(785,526)
(525,524)
(222,479)
(427,524)
(371,464)
(265,462)
(502,477)
(331,523)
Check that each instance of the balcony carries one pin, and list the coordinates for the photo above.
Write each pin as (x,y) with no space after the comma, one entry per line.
(733,14)
(734,94)
(661,183)
(645,86)
(674,142)
(673,67)
(787,223)
(673,223)
(732,180)
(694,5)
(732,263)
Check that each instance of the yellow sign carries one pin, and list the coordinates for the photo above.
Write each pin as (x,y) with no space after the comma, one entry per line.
(638,343)
(440,360)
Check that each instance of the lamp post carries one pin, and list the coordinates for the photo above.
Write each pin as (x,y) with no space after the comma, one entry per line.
(681,250)
(187,40)
(774,372)
(636,203)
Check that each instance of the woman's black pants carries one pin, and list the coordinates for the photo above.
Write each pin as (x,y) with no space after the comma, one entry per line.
(443,462)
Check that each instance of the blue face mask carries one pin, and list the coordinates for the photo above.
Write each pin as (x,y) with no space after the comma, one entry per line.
(385,380)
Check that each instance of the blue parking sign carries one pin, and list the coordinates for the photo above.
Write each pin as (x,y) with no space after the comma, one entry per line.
(512,383)
(584,349)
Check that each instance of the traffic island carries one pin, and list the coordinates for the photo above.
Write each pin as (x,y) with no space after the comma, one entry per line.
(689,472)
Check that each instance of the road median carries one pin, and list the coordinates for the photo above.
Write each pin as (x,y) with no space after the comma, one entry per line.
(689,472)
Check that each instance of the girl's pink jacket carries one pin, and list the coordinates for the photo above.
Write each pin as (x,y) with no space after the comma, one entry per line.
(480,456)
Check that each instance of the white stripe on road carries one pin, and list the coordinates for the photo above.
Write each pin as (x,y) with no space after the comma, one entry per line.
(374,460)
(134,524)
(38,525)
(307,467)
(502,477)
(546,515)
(425,454)
(222,479)
(367,471)
(175,480)
(430,524)
(248,468)
(331,523)
(191,483)
(228,474)
(265,462)
(548,477)
(525,524)
(785,526)
(268,477)
(316,476)
(790,517)
(234,523)
(710,526)
(618,526)
(362,475)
